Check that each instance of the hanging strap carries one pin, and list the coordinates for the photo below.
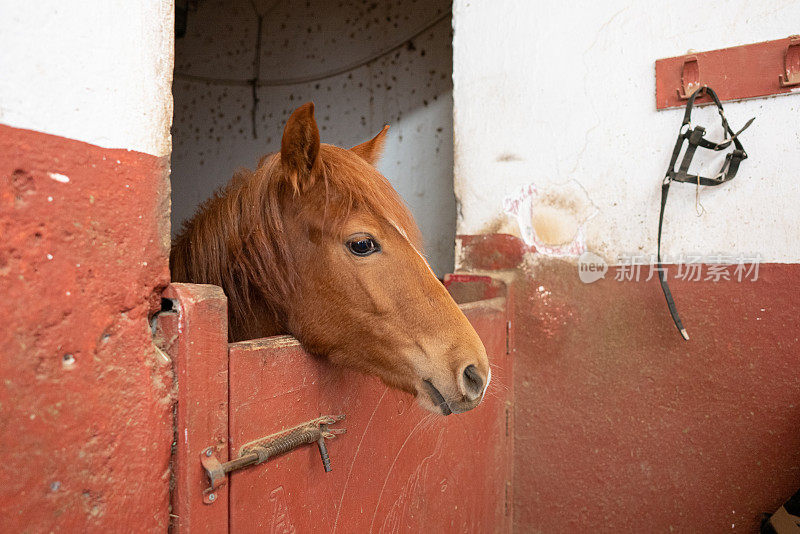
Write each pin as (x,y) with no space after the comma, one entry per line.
(695,138)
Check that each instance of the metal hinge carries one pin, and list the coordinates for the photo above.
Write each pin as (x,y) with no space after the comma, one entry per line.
(261,450)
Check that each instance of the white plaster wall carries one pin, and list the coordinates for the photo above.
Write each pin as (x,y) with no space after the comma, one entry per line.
(409,88)
(97,71)
(562,95)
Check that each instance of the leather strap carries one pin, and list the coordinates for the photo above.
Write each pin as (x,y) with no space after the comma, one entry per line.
(695,138)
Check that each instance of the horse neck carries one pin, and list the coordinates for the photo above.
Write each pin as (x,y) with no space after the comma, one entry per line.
(262,324)
(256,308)
(211,250)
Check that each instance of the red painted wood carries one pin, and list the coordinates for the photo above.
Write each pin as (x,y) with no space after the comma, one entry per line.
(395,470)
(735,73)
(85,411)
(492,252)
(622,426)
(196,338)
(466,288)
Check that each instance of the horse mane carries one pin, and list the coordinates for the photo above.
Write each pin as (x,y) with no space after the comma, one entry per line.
(237,239)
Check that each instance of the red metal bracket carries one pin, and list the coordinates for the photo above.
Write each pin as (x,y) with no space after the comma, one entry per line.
(216,474)
(690,78)
(791,63)
(736,73)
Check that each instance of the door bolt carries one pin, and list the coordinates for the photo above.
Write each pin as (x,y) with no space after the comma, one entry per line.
(263,449)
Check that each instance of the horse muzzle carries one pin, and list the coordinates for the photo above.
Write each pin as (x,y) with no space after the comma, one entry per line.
(471,386)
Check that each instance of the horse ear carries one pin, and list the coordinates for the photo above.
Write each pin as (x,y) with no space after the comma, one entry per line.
(371,150)
(300,144)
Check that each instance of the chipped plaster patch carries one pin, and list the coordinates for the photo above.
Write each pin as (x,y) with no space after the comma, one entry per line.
(552,218)
(58,177)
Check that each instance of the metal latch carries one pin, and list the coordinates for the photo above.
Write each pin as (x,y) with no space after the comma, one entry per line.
(261,450)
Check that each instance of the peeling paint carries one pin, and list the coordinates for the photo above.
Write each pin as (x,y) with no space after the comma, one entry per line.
(552,219)
(58,177)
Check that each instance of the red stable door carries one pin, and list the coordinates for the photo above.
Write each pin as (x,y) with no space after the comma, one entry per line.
(395,469)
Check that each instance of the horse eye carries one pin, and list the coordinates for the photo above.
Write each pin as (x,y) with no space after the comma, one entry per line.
(363,247)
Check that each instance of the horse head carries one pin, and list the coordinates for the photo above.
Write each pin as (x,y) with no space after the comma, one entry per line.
(323,248)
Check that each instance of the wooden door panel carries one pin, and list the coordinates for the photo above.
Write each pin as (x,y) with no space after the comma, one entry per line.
(397,469)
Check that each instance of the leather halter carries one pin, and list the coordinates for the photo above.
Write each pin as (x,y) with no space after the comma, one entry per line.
(695,139)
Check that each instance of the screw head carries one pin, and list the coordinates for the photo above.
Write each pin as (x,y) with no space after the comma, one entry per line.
(212,497)
(209,452)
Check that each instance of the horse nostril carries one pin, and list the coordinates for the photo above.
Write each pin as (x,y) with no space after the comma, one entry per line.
(473,382)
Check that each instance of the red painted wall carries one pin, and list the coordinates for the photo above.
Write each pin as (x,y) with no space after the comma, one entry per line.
(621,426)
(85,416)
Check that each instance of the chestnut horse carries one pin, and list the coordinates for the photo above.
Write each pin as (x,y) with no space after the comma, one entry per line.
(317,244)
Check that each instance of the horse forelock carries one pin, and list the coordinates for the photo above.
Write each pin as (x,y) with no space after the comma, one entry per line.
(346,175)
(238,240)
(341,183)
